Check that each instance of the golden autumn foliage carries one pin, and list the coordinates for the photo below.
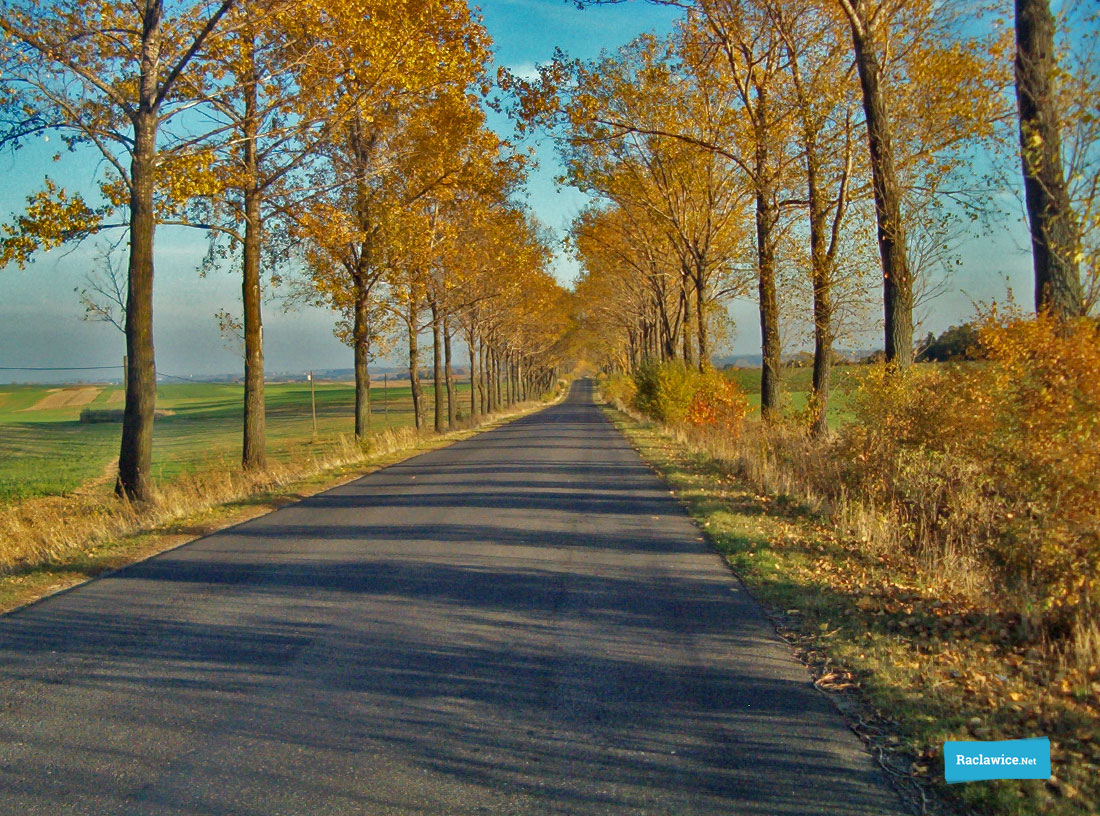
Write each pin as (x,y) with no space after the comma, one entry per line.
(997,460)
(680,395)
(52,218)
(982,477)
(718,403)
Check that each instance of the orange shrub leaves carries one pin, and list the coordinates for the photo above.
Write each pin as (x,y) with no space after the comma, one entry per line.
(1019,435)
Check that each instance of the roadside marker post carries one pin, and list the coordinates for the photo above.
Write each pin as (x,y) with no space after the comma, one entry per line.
(313,405)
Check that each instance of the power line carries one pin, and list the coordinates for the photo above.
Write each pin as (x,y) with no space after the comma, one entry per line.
(193,380)
(58,368)
(108,368)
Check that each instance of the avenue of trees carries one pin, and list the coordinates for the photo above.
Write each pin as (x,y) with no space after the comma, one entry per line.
(341,144)
(825,147)
(810,152)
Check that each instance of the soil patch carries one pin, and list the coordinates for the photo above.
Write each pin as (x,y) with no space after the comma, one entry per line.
(65,398)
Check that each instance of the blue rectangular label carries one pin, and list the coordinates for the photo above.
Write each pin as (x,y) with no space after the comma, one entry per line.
(1006,759)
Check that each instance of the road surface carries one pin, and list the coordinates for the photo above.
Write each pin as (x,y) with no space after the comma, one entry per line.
(521,623)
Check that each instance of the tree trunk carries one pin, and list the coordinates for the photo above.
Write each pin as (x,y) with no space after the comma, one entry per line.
(668,335)
(437,367)
(1055,235)
(498,401)
(685,307)
(414,365)
(448,373)
(897,280)
(254,453)
(136,450)
(490,379)
(483,376)
(361,347)
(767,216)
(254,443)
(471,346)
(821,275)
(701,316)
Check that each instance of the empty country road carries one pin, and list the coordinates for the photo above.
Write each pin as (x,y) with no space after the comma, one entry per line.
(525,622)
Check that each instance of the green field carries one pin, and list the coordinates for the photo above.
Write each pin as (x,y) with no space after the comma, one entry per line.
(46,450)
(795,389)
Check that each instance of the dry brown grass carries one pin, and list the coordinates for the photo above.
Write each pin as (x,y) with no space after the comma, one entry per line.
(983,477)
(41,530)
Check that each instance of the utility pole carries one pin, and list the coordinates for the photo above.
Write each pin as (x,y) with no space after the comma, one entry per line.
(386,397)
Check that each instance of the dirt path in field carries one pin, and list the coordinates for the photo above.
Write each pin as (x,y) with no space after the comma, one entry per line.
(106,477)
(65,398)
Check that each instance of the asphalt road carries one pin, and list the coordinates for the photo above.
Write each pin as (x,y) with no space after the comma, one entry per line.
(522,623)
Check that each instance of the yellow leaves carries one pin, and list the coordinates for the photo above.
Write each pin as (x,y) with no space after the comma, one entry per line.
(52,218)
(390,48)
(182,176)
(718,402)
(116,191)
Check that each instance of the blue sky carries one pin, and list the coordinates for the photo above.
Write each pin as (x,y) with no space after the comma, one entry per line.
(40,314)
(526,33)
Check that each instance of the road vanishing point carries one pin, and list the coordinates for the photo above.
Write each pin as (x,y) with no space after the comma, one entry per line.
(525,622)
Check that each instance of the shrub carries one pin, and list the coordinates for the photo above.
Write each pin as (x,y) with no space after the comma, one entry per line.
(999,458)
(619,388)
(679,395)
(719,403)
(666,391)
(91,416)
(957,343)
(1045,450)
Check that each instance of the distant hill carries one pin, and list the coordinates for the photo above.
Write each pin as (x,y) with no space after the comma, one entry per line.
(798,358)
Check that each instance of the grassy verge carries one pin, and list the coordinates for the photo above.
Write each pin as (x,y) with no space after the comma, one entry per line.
(49,544)
(912,664)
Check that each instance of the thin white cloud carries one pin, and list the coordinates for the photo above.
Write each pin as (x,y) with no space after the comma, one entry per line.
(527,71)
